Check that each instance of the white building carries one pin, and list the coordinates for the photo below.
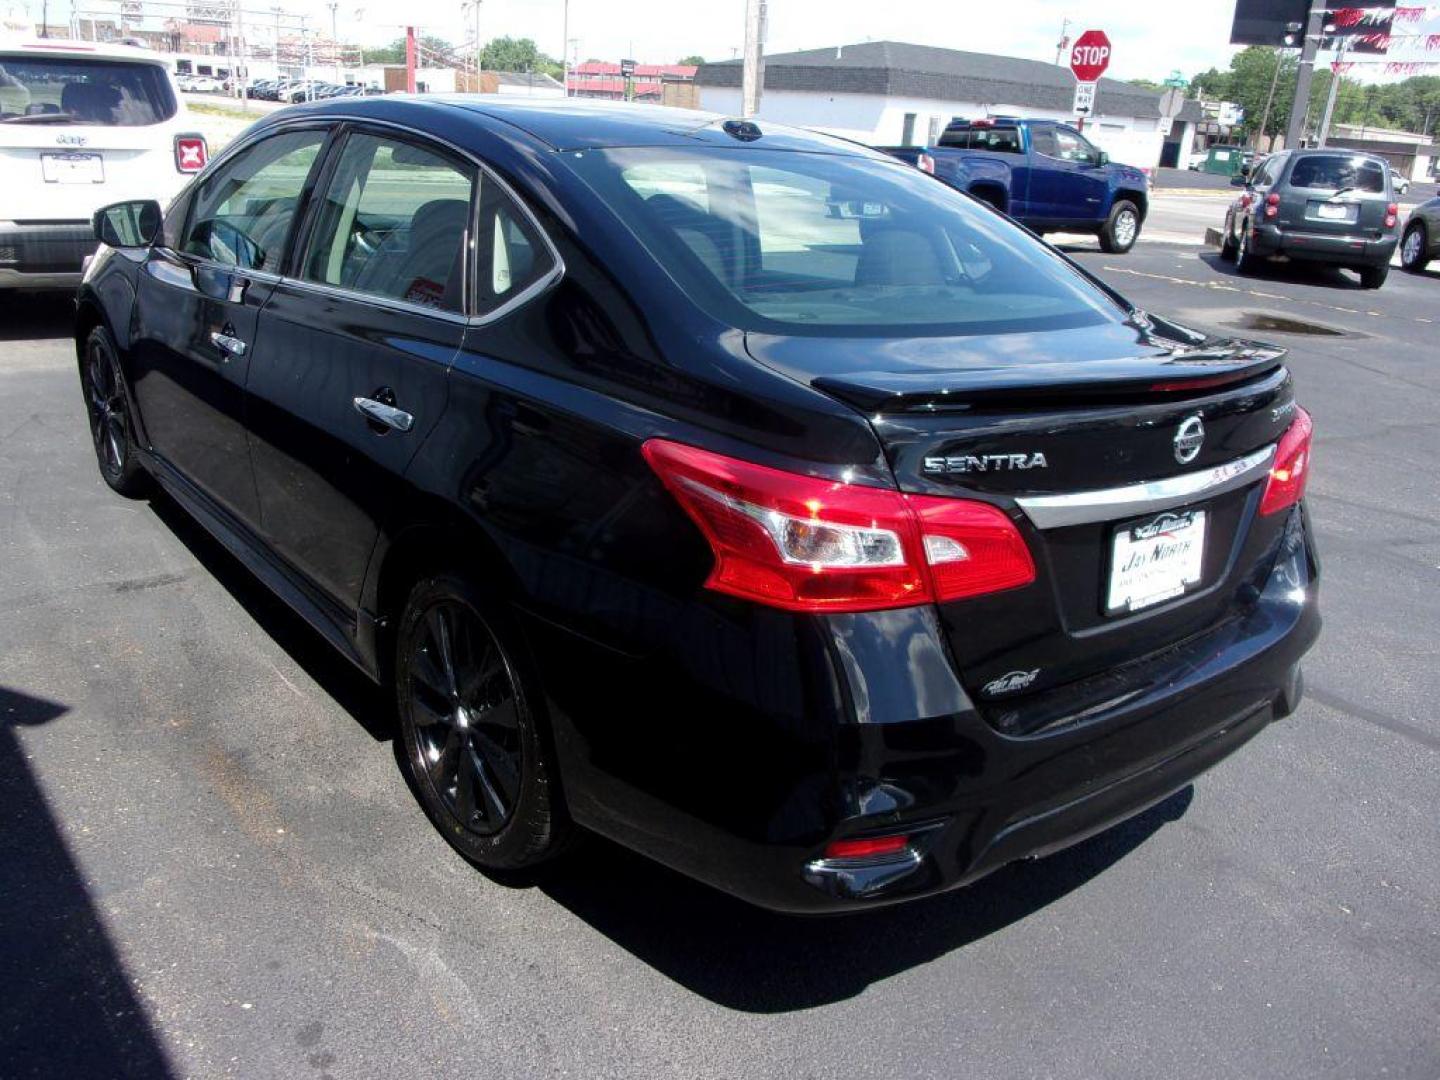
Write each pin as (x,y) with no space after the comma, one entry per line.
(888,93)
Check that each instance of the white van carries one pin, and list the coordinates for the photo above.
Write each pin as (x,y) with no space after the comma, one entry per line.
(81,126)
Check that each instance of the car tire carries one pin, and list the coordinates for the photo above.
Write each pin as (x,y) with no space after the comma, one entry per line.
(1245,262)
(112,427)
(1121,229)
(1372,277)
(1228,247)
(473,738)
(1414,247)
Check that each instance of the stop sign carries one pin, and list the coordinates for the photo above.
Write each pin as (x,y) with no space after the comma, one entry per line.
(1091,55)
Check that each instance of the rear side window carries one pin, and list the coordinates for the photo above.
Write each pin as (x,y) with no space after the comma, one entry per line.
(997,140)
(243,211)
(1333,172)
(395,219)
(821,244)
(59,90)
(393,222)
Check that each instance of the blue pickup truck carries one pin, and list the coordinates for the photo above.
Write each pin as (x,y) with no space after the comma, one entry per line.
(1041,172)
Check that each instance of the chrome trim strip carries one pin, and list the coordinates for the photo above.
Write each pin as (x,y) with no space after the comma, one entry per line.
(1152,496)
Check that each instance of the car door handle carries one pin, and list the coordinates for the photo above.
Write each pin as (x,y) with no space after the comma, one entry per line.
(389,415)
(228,344)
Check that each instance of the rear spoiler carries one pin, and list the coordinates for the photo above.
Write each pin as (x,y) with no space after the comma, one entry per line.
(1181,374)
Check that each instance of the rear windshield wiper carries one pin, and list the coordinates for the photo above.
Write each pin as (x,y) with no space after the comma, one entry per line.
(42,118)
(1341,191)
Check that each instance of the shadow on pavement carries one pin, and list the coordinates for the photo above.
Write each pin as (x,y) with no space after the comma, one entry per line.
(66,1004)
(745,958)
(36,315)
(352,690)
(1300,273)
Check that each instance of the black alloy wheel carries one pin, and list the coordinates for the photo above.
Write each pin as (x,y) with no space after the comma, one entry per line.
(471,736)
(108,407)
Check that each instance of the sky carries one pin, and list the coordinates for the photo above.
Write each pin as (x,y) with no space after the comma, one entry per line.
(1150,39)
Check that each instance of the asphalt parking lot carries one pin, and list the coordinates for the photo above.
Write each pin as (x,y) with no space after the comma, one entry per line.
(210,865)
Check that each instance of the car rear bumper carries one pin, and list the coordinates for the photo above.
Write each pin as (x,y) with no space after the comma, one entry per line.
(1321,247)
(44,254)
(784,736)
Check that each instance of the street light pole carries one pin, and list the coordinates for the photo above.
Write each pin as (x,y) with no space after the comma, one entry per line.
(1309,46)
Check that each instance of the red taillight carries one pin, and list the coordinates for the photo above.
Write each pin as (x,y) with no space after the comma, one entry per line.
(926,164)
(191,153)
(866,847)
(1292,466)
(1392,213)
(1272,205)
(808,544)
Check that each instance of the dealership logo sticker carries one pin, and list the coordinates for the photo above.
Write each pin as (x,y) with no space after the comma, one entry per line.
(70,140)
(1188,439)
(1008,684)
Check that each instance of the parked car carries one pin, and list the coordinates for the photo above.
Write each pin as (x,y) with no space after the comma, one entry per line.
(1421,240)
(1043,173)
(726,489)
(204,84)
(1399,182)
(82,125)
(297,92)
(1321,206)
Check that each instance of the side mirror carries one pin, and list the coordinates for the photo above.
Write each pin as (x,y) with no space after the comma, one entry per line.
(133,224)
(1240,181)
(1102,158)
(1245,171)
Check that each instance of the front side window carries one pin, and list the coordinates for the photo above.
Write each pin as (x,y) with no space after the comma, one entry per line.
(1337,172)
(1069,146)
(59,90)
(244,210)
(393,222)
(813,243)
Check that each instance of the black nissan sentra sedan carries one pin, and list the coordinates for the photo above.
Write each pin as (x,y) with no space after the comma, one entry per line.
(731,491)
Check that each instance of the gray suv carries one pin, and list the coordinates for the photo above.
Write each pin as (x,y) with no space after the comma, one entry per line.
(1323,206)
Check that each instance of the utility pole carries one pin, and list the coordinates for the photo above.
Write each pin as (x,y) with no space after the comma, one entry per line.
(1269,98)
(1330,97)
(242,69)
(335,36)
(753,74)
(565,49)
(1309,46)
(1064,41)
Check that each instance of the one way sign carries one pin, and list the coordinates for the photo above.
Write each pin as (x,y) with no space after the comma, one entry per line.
(1084,99)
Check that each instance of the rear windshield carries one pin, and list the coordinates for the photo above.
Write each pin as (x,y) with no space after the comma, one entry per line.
(1331,172)
(60,90)
(791,242)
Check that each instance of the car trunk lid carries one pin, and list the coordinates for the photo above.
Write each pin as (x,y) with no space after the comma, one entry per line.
(1081,436)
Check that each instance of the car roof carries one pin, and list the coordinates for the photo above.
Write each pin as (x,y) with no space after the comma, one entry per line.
(89,50)
(583,124)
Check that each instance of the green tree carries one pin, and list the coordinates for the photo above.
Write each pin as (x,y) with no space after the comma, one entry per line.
(394,53)
(1148,84)
(691,61)
(518,54)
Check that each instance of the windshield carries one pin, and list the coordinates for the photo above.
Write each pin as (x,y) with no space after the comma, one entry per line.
(60,90)
(790,242)
(1332,172)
